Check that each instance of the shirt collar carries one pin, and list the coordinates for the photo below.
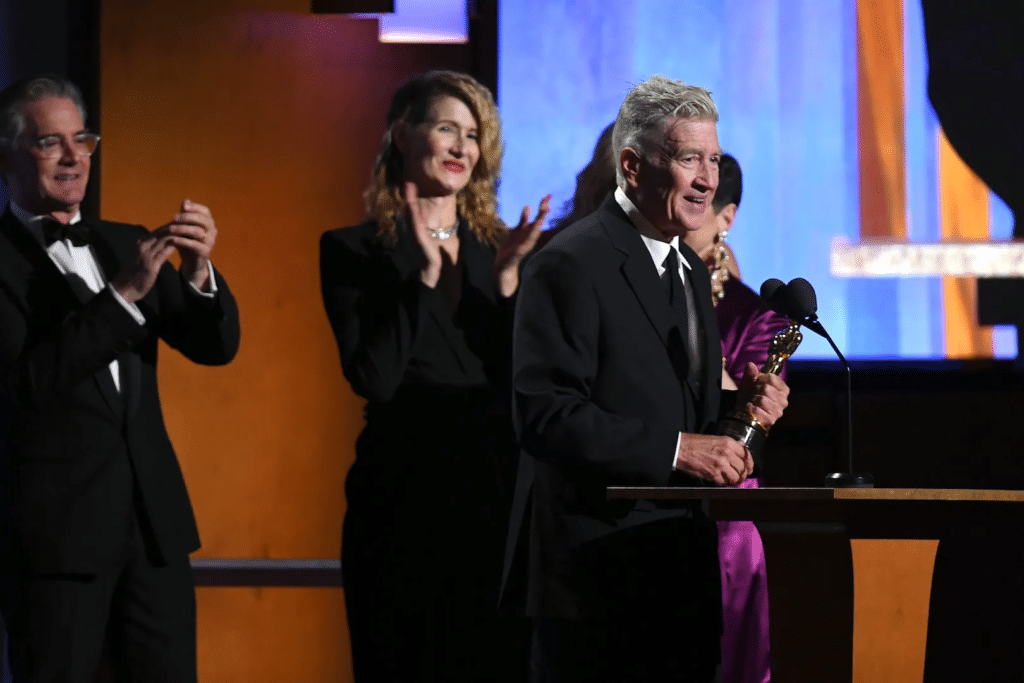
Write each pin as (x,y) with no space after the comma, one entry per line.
(659,249)
(32,222)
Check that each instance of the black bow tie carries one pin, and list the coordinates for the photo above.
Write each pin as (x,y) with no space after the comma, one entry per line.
(54,231)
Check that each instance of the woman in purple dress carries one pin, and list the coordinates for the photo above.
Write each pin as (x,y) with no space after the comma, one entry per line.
(747,328)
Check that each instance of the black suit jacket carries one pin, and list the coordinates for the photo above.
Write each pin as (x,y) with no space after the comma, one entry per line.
(438,437)
(600,396)
(75,454)
(392,330)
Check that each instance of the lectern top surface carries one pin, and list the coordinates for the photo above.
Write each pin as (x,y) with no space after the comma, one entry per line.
(810,493)
(930,494)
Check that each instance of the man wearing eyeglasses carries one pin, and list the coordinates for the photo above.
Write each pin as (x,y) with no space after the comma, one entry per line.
(95,522)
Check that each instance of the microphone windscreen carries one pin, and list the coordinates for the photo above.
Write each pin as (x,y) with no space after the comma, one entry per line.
(775,296)
(769,287)
(803,302)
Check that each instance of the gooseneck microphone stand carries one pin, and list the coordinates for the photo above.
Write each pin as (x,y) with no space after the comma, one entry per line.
(798,301)
(849,478)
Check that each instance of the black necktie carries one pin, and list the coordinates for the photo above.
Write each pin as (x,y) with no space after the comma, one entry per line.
(677,297)
(55,231)
(676,290)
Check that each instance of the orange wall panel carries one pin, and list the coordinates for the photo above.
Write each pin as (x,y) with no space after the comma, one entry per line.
(963,215)
(880,118)
(272,634)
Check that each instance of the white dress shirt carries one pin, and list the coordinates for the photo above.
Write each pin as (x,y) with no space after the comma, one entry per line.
(79,266)
(659,250)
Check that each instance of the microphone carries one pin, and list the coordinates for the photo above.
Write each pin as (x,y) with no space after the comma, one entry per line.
(802,304)
(773,294)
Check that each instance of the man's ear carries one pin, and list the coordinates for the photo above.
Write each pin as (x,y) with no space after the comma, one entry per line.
(726,216)
(630,163)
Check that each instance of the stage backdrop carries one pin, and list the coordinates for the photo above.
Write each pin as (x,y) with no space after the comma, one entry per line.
(824,105)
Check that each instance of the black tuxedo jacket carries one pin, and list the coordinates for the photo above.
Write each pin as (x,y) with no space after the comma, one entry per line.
(76,454)
(600,394)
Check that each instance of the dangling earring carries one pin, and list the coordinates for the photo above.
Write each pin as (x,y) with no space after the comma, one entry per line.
(719,273)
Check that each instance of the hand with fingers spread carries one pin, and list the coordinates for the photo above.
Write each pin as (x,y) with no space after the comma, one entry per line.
(430,248)
(717,459)
(521,240)
(763,395)
(194,233)
(138,277)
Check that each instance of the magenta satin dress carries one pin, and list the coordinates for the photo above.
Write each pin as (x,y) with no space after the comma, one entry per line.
(747,328)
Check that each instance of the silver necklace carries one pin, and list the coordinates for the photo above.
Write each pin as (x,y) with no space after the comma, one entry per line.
(443,233)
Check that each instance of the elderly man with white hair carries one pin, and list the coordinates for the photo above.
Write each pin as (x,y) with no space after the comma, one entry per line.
(617,376)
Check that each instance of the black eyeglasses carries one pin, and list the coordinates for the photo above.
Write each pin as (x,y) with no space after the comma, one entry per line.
(52,146)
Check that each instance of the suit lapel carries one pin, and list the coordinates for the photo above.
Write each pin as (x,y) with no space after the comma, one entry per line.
(34,280)
(110,254)
(640,273)
(478,265)
(108,264)
(406,259)
(477,282)
(642,277)
(403,255)
(43,292)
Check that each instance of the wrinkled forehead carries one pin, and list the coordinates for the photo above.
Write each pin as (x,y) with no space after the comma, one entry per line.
(51,114)
(696,134)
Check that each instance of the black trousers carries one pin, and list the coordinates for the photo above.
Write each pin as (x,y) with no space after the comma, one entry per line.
(136,620)
(650,610)
(425,609)
(589,652)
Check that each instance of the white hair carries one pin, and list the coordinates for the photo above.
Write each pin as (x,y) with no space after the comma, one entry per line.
(649,107)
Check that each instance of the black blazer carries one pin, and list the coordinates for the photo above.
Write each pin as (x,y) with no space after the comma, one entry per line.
(600,395)
(71,446)
(436,385)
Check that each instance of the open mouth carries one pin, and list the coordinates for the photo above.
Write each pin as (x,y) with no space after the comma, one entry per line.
(455,166)
(699,201)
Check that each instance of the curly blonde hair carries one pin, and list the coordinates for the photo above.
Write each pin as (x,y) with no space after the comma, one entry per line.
(477,202)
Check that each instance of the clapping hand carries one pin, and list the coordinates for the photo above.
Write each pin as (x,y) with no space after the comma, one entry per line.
(138,277)
(521,240)
(194,233)
(430,248)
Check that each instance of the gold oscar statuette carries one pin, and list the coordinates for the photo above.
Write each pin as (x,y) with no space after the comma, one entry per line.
(742,425)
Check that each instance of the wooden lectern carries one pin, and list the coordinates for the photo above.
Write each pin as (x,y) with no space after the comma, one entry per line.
(807,533)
